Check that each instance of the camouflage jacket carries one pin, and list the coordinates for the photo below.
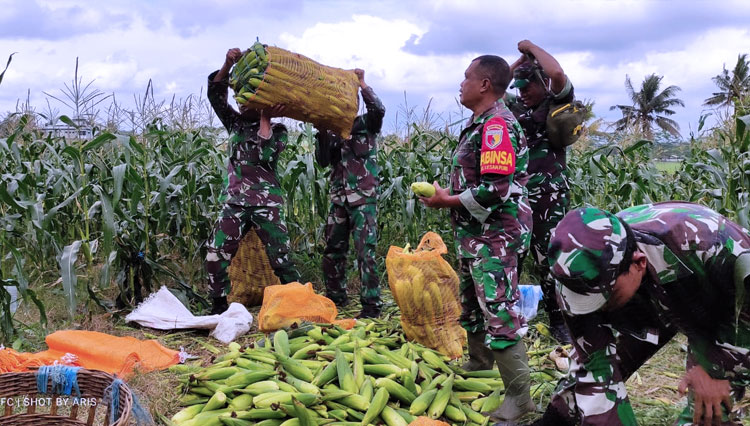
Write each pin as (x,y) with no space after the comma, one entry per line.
(693,282)
(488,172)
(354,174)
(251,172)
(547,165)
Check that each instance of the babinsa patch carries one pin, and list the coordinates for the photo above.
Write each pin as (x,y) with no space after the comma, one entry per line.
(498,155)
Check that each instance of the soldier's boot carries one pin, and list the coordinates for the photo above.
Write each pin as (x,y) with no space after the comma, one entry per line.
(480,356)
(516,374)
(551,418)
(219,305)
(558,329)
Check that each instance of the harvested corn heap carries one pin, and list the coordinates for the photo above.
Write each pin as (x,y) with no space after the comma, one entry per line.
(324,96)
(322,374)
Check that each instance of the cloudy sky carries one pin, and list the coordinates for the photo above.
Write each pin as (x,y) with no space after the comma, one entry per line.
(414,51)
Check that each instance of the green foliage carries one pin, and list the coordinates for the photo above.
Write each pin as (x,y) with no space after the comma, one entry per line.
(110,207)
(649,107)
(112,214)
(732,88)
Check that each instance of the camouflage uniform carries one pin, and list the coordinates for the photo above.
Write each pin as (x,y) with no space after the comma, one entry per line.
(354,198)
(252,195)
(548,185)
(488,228)
(696,283)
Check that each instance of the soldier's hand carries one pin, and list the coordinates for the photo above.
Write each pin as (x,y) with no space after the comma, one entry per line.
(438,200)
(361,76)
(525,46)
(708,393)
(233,55)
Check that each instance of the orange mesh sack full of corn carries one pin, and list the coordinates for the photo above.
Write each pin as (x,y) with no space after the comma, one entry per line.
(425,288)
(287,304)
(325,96)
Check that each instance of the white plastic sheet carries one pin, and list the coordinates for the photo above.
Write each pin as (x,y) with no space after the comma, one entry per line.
(163,311)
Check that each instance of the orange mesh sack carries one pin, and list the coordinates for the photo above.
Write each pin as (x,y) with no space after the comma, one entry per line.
(426,290)
(324,96)
(426,421)
(284,305)
(250,271)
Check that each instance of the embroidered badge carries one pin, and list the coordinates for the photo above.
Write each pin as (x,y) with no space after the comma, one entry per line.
(497,150)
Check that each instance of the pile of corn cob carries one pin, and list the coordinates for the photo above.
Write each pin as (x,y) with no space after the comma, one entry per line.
(324,96)
(322,374)
(247,73)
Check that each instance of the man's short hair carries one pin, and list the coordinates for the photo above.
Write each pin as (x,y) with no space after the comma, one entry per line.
(496,69)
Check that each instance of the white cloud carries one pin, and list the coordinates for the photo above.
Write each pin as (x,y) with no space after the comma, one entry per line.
(155,41)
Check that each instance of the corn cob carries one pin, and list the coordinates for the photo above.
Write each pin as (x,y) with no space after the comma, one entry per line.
(391,417)
(218,400)
(187,413)
(395,389)
(422,402)
(346,377)
(437,406)
(455,413)
(376,406)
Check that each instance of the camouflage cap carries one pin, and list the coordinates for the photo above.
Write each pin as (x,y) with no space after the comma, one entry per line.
(525,74)
(585,253)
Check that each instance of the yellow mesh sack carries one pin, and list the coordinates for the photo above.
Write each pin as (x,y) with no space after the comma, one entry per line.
(250,271)
(324,96)
(426,421)
(425,288)
(284,305)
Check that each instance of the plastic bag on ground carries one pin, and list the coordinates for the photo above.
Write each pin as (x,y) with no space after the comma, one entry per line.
(425,288)
(284,305)
(163,311)
(529,300)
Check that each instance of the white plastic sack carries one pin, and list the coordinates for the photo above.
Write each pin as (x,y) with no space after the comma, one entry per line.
(163,311)
(15,299)
(529,300)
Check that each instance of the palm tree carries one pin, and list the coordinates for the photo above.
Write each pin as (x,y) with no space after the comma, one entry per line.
(734,87)
(650,106)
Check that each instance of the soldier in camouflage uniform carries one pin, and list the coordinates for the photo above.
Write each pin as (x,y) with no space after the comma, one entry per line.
(539,85)
(354,203)
(627,284)
(487,198)
(252,195)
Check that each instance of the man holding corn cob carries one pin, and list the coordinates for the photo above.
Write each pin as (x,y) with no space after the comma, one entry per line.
(540,83)
(487,198)
(627,284)
(252,193)
(354,198)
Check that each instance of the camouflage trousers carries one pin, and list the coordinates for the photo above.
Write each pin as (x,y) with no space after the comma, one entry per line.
(547,211)
(488,289)
(361,222)
(234,223)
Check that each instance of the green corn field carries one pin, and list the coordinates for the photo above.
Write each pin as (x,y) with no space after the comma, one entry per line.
(94,218)
(96,224)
